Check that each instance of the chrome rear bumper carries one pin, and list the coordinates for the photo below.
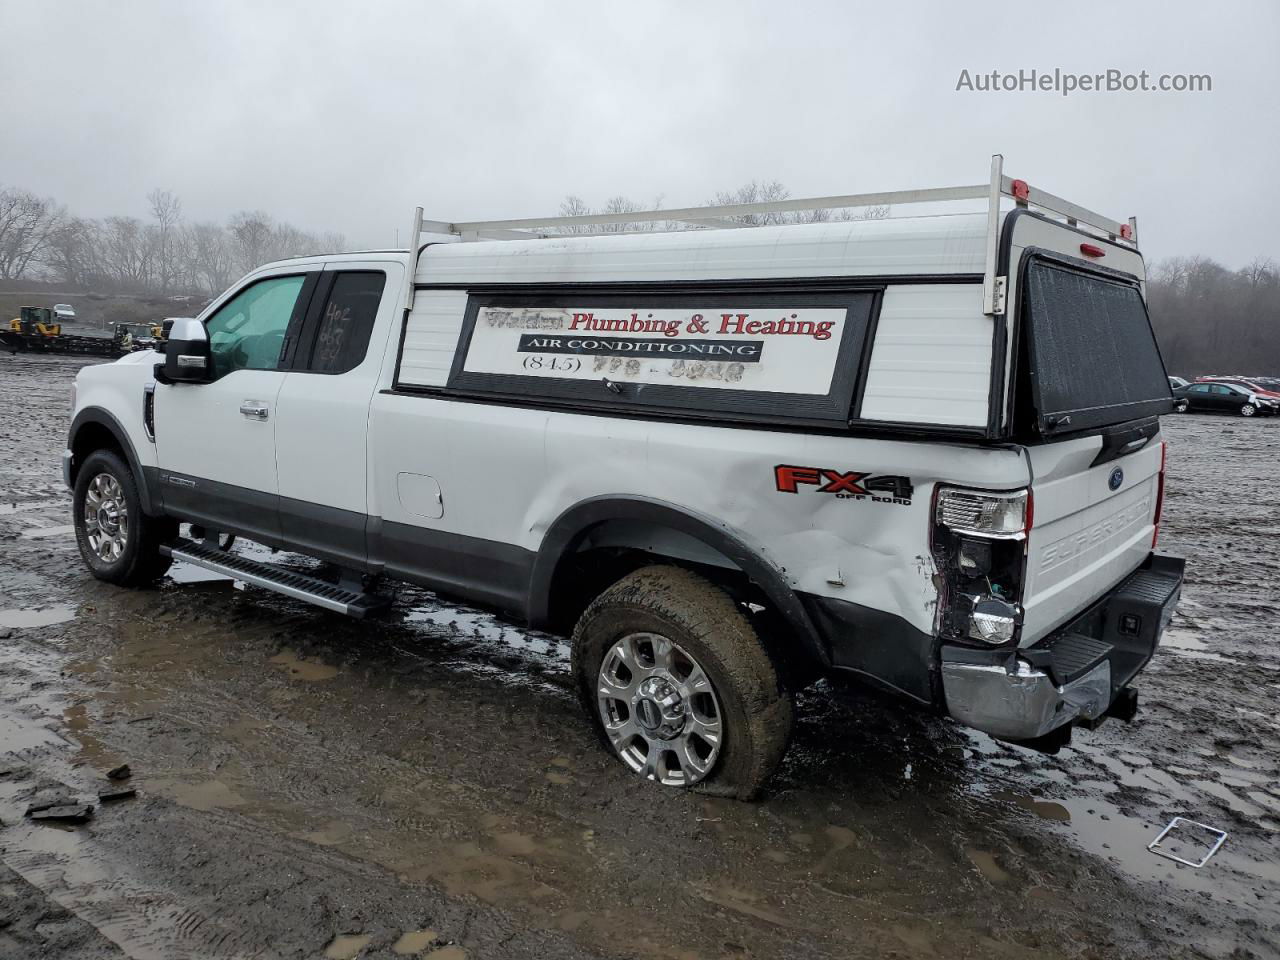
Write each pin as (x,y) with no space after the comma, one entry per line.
(1022,702)
(1076,673)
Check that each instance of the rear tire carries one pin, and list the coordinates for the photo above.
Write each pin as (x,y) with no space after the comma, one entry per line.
(118,542)
(705,672)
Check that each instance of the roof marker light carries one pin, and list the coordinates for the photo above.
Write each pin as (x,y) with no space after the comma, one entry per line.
(1021,191)
(1089,250)
(1126,231)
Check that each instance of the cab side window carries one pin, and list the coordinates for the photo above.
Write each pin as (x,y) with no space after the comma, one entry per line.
(248,332)
(344,321)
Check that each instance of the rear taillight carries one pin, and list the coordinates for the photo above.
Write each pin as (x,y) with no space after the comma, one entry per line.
(1003,516)
(1164,457)
(979,547)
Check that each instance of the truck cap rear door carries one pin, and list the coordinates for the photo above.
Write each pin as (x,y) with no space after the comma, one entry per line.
(1089,385)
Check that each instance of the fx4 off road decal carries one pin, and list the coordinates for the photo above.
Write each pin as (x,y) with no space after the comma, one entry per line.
(844,484)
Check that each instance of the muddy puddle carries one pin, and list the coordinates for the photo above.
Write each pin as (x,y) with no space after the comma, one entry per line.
(61,530)
(37,616)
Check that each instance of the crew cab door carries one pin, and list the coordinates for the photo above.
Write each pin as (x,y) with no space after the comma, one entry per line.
(322,426)
(215,441)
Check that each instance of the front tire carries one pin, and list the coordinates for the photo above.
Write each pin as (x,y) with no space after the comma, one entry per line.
(1248,410)
(679,685)
(118,542)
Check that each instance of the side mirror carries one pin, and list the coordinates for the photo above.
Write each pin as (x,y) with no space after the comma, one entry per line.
(187,356)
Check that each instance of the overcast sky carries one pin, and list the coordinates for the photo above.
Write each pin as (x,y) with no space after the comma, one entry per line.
(343,116)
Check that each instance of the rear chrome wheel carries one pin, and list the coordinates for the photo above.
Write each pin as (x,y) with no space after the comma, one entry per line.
(679,685)
(659,710)
(106,518)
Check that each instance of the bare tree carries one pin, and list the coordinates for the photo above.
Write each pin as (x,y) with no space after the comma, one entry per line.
(251,231)
(879,212)
(127,254)
(1260,272)
(574,206)
(1209,319)
(213,257)
(73,251)
(770,191)
(166,210)
(26,224)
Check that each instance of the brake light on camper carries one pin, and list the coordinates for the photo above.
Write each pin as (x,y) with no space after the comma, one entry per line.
(1092,250)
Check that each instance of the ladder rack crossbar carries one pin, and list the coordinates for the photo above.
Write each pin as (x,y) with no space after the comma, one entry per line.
(719,216)
(720,211)
(722,217)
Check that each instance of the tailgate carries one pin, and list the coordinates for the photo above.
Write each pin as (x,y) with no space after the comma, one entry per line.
(1092,527)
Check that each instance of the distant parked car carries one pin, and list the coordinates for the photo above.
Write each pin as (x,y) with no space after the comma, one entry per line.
(1215,397)
(1176,382)
(64,311)
(1254,386)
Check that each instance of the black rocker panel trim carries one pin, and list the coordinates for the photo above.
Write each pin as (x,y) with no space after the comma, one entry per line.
(220,506)
(327,533)
(485,572)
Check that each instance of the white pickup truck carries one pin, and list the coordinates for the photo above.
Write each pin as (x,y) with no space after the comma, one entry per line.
(923,451)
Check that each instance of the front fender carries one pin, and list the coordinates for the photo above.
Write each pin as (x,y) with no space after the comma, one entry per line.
(98,419)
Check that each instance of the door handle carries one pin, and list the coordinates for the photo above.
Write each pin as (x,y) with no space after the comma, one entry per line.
(254,409)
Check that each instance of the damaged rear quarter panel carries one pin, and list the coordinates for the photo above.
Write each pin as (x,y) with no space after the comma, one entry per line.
(860,549)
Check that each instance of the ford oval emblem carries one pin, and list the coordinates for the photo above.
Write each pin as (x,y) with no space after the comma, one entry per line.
(1116,478)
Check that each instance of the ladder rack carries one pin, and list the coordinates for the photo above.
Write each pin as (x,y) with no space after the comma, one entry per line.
(718,217)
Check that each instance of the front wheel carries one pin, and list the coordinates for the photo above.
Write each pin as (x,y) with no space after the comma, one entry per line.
(1248,410)
(679,685)
(118,542)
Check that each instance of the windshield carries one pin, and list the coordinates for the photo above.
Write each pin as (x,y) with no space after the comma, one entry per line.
(1093,359)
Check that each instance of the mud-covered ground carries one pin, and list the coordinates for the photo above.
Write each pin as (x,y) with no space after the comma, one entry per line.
(312,786)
